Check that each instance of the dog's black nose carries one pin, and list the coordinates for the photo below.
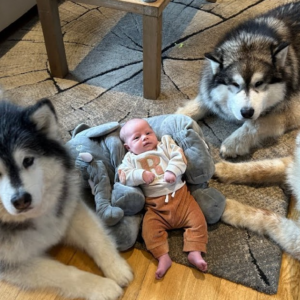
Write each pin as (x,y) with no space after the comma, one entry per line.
(21,201)
(247,112)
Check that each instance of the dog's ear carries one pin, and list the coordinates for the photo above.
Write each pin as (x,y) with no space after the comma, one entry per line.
(215,60)
(43,115)
(280,54)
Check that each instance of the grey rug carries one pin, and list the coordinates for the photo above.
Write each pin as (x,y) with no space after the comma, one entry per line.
(104,51)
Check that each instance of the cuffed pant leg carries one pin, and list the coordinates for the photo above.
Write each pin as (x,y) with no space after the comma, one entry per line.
(154,234)
(195,235)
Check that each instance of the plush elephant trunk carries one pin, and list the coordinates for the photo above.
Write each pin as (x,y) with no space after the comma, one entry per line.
(101,188)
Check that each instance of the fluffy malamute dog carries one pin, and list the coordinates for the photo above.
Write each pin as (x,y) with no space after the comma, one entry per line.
(253,76)
(285,232)
(40,206)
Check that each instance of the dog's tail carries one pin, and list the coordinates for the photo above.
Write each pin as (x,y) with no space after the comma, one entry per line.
(285,232)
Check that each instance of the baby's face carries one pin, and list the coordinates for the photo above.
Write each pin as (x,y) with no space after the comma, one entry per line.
(140,137)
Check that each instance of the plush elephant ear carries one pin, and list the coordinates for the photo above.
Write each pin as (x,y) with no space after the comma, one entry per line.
(97,131)
(79,128)
(43,115)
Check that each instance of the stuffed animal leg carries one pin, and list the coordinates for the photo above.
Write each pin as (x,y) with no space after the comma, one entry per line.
(125,233)
(211,201)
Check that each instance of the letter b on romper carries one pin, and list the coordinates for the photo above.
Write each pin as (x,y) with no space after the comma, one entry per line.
(151,162)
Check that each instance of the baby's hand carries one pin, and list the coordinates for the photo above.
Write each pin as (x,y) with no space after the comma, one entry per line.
(148,177)
(169,177)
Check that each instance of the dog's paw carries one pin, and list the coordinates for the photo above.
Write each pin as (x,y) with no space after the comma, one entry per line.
(90,286)
(224,172)
(120,272)
(107,290)
(233,146)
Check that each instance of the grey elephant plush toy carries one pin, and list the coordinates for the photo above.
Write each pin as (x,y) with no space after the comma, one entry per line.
(98,151)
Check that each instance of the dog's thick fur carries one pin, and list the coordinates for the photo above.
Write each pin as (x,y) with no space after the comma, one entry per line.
(283,231)
(40,206)
(253,77)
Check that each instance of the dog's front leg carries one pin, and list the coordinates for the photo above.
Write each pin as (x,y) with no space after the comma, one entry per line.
(240,141)
(68,281)
(88,233)
(267,171)
(252,134)
(194,108)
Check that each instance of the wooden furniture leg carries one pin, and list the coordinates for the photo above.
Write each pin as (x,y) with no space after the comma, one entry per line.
(152,42)
(49,17)
(152,37)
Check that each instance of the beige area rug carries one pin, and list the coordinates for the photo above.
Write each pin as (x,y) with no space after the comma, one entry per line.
(104,51)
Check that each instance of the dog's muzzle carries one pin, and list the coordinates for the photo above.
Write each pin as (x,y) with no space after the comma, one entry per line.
(21,201)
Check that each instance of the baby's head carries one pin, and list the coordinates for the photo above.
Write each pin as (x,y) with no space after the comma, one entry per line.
(138,136)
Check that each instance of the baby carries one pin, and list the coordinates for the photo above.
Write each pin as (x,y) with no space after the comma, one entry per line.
(158,168)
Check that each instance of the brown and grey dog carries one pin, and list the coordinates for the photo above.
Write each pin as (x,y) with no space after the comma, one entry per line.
(40,206)
(253,77)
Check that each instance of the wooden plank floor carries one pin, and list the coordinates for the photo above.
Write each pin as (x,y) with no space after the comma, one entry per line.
(180,282)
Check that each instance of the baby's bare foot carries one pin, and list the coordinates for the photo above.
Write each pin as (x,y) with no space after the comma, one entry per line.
(196,259)
(164,264)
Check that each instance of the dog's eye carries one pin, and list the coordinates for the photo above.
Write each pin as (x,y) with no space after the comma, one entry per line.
(27,162)
(258,83)
(235,84)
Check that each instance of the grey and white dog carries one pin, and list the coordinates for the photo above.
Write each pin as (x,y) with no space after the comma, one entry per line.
(40,206)
(253,77)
